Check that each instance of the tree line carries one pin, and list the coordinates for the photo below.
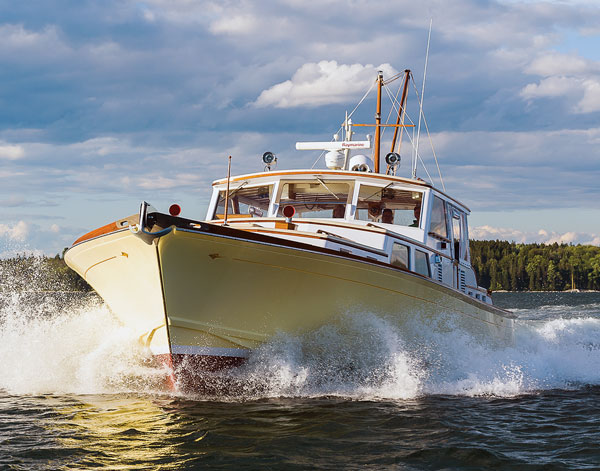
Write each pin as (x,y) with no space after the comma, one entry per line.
(499,265)
(502,265)
(39,273)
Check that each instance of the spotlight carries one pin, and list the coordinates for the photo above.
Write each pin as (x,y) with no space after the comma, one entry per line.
(392,159)
(269,159)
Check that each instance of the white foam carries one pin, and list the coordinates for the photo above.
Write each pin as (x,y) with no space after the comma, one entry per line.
(45,348)
(368,358)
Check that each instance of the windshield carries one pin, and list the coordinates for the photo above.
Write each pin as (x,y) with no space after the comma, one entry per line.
(389,205)
(315,199)
(245,202)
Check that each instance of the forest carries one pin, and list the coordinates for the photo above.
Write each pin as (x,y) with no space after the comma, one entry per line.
(26,272)
(502,265)
(499,265)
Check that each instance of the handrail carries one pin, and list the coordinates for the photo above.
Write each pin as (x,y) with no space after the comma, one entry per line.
(139,229)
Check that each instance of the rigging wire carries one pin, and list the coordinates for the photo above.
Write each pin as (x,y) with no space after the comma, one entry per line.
(414,172)
(390,80)
(396,108)
(395,105)
(363,98)
(351,113)
(430,142)
(434,154)
(426,171)
(394,100)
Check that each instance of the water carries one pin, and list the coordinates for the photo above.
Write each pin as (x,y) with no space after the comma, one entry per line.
(76,392)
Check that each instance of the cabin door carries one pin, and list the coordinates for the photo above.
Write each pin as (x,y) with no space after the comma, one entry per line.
(457,249)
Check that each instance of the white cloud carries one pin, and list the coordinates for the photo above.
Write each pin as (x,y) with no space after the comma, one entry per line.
(237,24)
(569,76)
(552,63)
(17,232)
(542,236)
(11,152)
(591,96)
(585,92)
(160,182)
(552,87)
(17,42)
(16,36)
(322,83)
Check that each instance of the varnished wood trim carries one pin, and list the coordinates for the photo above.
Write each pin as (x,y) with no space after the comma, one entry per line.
(108,228)
(439,237)
(112,227)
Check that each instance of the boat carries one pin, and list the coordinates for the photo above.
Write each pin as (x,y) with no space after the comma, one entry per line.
(573,288)
(289,251)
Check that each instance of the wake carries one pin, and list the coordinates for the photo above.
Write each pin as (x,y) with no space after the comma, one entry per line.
(48,347)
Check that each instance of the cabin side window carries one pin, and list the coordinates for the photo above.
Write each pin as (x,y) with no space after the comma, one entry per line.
(466,251)
(457,234)
(422,263)
(315,199)
(460,235)
(389,205)
(244,202)
(439,224)
(400,255)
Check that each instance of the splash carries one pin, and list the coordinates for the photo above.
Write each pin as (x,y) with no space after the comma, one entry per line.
(65,343)
(370,359)
(362,357)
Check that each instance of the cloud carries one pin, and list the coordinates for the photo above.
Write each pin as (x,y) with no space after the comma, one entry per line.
(10,152)
(237,24)
(322,83)
(19,45)
(541,236)
(573,77)
(106,103)
(585,91)
(17,232)
(551,63)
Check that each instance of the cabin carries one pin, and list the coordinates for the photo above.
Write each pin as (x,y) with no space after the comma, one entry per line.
(403,222)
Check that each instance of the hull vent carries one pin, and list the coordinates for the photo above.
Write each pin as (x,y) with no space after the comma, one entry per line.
(463,283)
(439,271)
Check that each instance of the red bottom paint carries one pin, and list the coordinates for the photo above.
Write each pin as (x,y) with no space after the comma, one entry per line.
(198,373)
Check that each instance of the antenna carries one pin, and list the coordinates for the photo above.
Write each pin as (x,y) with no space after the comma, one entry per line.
(227,192)
(414,169)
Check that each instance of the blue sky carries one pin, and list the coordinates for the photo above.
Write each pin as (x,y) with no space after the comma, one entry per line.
(105,104)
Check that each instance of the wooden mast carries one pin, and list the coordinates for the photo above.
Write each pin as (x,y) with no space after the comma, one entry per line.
(378,121)
(401,109)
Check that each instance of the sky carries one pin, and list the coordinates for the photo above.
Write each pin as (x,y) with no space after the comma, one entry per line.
(105,104)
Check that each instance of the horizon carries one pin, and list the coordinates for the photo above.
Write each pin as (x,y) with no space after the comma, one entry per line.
(108,105)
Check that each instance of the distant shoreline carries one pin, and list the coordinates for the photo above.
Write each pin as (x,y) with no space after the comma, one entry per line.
(503,267)
(548,291)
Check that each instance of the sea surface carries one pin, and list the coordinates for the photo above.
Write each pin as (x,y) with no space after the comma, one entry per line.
(76,392)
